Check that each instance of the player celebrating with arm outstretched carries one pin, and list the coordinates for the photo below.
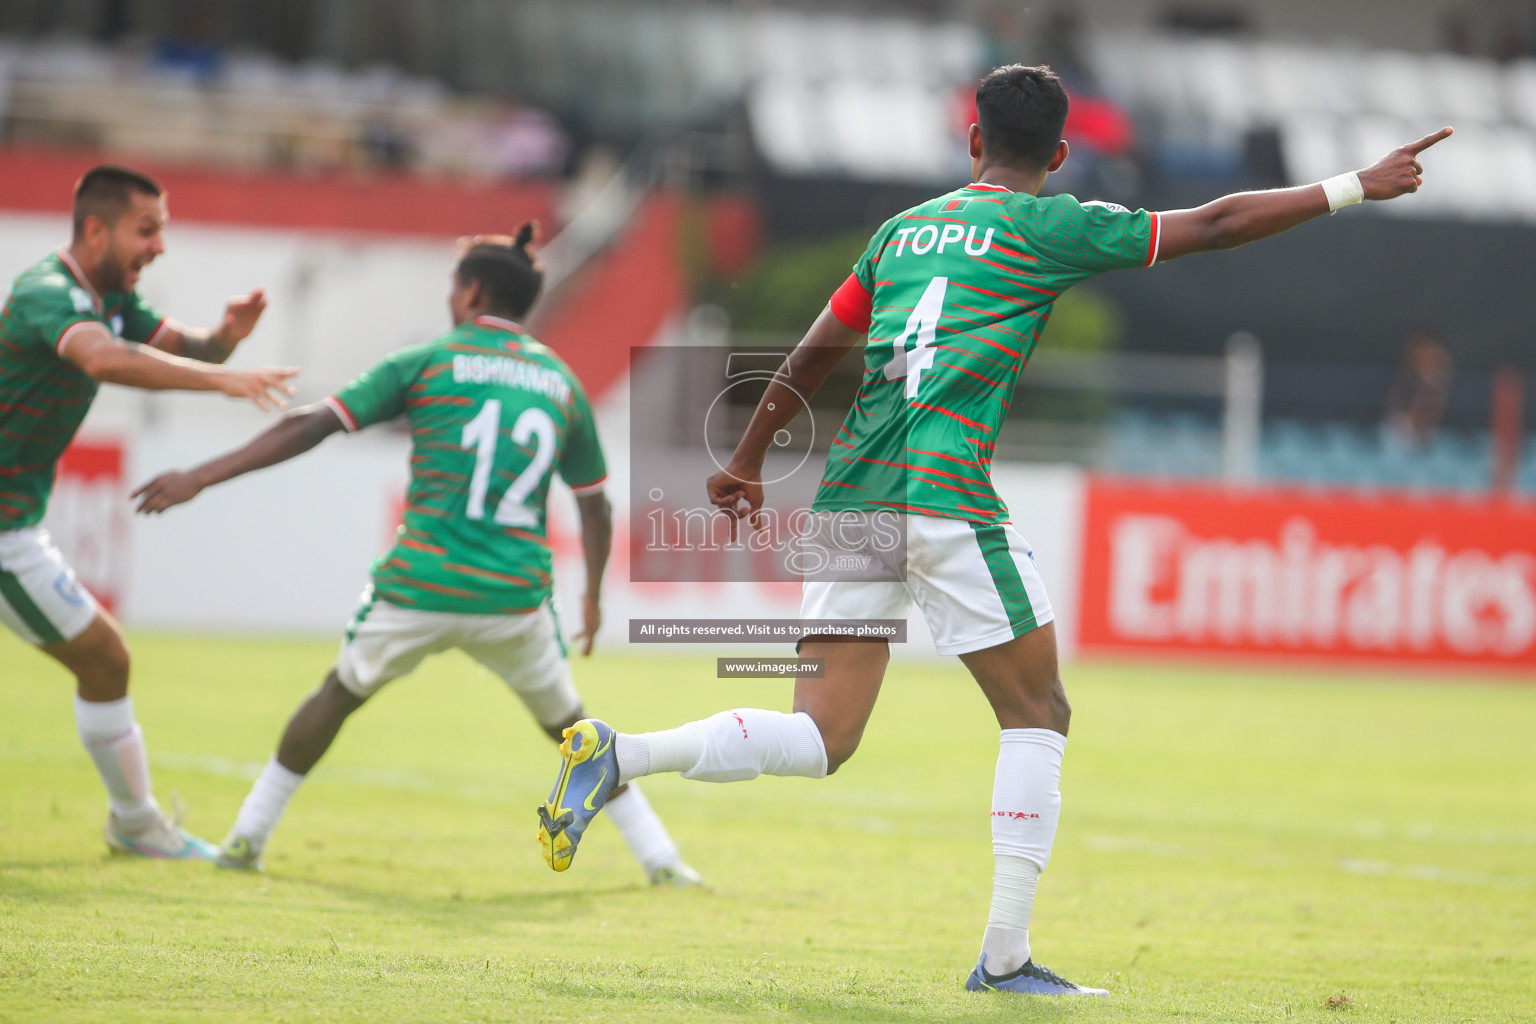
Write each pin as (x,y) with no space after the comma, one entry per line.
(493,416)
(953,295)
(72,322)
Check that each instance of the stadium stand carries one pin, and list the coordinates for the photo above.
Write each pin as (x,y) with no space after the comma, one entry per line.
(1337,106)
(259,111)
(865,99)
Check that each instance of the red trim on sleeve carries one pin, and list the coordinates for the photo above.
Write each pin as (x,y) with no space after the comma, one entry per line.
(69,332)
(165,322)
(342,413)
(1157,238)
(595,487)
(852,304)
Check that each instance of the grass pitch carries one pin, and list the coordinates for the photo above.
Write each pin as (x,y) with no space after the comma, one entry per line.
(1235,846)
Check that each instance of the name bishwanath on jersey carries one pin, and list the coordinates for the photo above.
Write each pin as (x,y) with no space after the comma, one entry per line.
(512,373)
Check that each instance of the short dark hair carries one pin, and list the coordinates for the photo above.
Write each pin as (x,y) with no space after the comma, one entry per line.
(506,270)
(1022,112)
(106,192)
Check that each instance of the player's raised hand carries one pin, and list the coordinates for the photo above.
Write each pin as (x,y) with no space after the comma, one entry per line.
(592,620)
(267,386)
(1399,172)
(240,316)
(166,491)
(738,495)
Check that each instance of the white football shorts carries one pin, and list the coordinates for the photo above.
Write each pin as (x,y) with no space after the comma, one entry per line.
(976,585)
(40,599)
(385,641)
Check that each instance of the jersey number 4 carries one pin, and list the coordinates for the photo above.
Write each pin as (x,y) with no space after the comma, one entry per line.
(924,323)
(481,434)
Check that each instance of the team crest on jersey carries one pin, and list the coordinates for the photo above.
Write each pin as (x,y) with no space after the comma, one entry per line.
(117,324)
(82,301)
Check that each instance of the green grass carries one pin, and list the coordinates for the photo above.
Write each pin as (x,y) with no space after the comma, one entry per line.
(1235,846)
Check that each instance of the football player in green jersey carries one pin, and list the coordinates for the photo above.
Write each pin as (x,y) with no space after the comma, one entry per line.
(71,322)
(952,296)
(493,416)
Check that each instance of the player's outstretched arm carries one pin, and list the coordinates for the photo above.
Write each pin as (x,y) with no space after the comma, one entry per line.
(1249,216)
(113,361)
(596,542)
(736,490)
(294,434)
(217,344)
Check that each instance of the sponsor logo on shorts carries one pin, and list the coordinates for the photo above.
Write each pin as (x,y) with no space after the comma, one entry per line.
(68,588)
(1015,815)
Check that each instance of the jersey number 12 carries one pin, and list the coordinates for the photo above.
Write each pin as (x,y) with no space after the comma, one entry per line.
(481,434)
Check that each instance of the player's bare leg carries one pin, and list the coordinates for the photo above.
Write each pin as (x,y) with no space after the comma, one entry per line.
(1021,681)
(841,699)
(308,735)
(98,659)
(313,727)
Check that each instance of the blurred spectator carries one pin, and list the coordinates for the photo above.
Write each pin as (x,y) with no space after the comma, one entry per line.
(190,50)
(1004,39)
(388,145)
(1060,46)
(524,141)
(1098,125)
(1417,397)
(1207,18)
(1509,42)
(1456,34)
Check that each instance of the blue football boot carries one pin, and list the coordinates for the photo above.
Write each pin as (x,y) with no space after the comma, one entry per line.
(1031,979)
(589,770)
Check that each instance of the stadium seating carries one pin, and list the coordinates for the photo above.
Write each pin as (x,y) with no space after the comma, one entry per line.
(1180,445)
(258,111)
(1336,107)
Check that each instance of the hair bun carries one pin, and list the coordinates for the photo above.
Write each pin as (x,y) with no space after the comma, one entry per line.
(526,235)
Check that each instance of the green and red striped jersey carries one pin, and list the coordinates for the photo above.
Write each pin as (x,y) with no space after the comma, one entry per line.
(43,396)
(955,293)
(493,415)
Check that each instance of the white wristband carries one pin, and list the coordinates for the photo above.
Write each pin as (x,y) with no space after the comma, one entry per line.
(1343,190)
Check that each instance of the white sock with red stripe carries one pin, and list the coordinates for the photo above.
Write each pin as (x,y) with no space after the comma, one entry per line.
(116,745)
(1026,805)
(641,827)
(732,746)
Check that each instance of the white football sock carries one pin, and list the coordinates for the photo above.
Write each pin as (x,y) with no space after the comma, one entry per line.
(643,832)
(651,753)
(1026,806)
(266,802)
(116,745)
(732,746)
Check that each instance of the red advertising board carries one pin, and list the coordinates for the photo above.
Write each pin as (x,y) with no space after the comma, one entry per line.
(88,516)
(1204,569)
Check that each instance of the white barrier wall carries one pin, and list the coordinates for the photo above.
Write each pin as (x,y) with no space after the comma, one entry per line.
(338,302)
(287,549)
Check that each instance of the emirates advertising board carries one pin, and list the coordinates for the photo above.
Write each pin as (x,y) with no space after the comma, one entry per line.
(1350,577)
